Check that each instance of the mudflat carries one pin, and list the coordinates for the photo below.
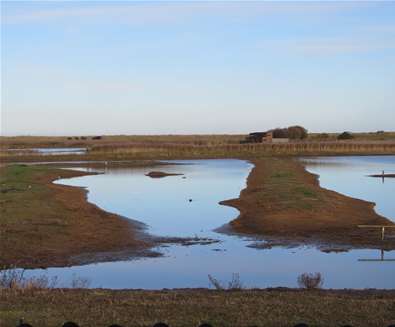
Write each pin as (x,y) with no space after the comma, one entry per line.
(44,224)
(285,204)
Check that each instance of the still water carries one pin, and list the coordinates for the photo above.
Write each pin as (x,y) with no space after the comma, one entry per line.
(48,151)
(163,204)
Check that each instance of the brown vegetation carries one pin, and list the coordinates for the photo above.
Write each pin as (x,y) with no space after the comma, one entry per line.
(239,308)
(44,224)
(310,281)
(283,201)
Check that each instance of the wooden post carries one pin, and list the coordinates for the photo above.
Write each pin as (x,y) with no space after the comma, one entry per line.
(383,227)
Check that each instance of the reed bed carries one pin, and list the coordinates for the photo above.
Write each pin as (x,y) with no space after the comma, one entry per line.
(170,150)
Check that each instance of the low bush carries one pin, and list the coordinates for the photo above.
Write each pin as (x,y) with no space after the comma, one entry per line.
(345,136)
(234,284)
(310,281)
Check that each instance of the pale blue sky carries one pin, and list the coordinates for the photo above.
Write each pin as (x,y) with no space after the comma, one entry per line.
(196,67)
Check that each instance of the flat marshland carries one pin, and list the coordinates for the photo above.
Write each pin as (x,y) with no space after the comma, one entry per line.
(51,225)
(190,146)
(269,308)
(45,224)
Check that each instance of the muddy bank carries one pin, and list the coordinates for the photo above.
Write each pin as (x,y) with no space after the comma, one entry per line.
(45,224)
(50,225)
(284,204)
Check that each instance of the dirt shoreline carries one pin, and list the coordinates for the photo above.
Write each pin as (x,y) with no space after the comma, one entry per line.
(51,225)
(61,227)
(285,205)
(282,204)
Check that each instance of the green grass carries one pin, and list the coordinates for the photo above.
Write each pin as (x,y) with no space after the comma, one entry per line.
(305,191)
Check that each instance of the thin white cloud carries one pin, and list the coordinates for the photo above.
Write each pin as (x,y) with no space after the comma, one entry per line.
(164,12)
(330,46)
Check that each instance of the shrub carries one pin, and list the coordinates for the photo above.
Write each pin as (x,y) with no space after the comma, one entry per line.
(297,133)
(345,136)
(15,279)
(79,282)
(310,281)
(323,136)
(234,284)
(292,132)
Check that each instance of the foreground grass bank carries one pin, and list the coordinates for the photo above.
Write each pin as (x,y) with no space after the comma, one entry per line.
(285,204)
(266,308)
(43,224)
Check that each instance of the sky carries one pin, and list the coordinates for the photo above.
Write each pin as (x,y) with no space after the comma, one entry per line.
(85,68)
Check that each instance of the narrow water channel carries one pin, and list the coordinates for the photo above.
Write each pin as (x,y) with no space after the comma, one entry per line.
(165,206)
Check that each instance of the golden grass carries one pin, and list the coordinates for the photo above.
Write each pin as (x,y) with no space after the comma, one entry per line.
(269,308)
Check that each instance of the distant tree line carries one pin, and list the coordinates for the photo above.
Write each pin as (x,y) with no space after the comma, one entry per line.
(345,136)
(291,132)
(84,137)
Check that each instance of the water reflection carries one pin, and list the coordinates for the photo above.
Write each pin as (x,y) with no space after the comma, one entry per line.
(350,175)
(163,205)
(47,151)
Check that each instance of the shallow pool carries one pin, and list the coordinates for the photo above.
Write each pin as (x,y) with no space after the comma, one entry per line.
(164,205)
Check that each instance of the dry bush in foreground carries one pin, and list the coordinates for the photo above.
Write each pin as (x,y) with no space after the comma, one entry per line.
(15,279)
(310,281)
(234,284)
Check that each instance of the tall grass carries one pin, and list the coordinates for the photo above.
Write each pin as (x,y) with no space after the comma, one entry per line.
(146,150)
(15,279)
(234,284)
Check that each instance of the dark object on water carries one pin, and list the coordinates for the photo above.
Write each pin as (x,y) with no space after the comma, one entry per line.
(160,174)
(190,200)
(383,175)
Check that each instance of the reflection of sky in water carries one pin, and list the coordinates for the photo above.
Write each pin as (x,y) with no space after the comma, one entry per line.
(348,175)
(163,205)
(50,151)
